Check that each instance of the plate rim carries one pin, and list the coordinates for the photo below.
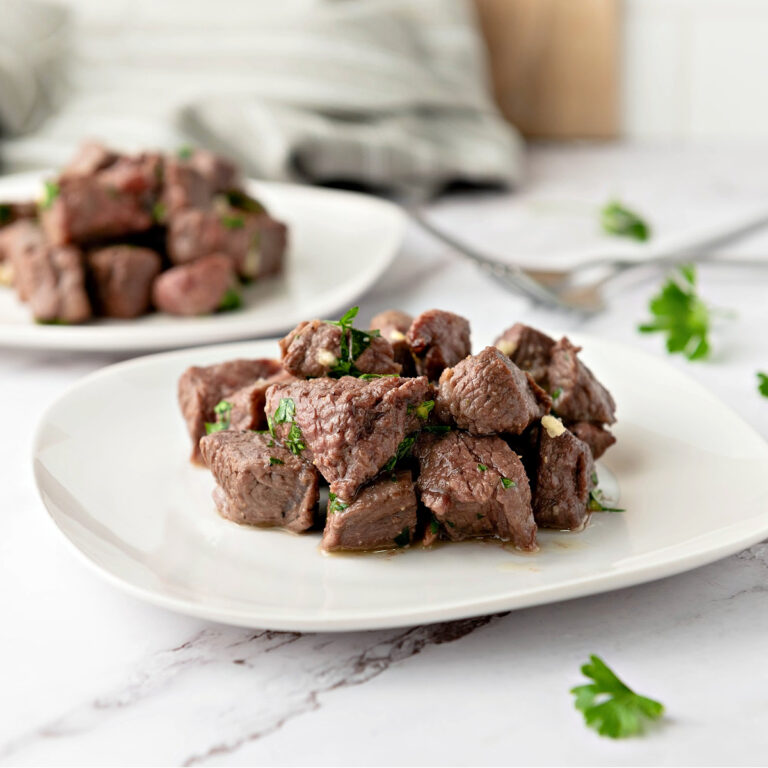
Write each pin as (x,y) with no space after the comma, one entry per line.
(738,540)
(99,338)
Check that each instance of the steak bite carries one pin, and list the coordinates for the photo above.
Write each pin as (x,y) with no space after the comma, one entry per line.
(18,243)
(259,482)
(313,349)
(382,516)
(248,403)
(184,187)
(528,349)
(577,395)
(199,288)
(121,276)
(475,487)
(349,428)
(438,340)
(594,435)
(488,394)
(53,281)
(220,174)
(564,478)
(91,156)
(393,326)
(202,388)
(112,202)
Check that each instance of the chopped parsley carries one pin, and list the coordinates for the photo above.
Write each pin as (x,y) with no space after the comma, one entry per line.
(507,483)
(5,213)
(233,222)
(370,376)
(335,504)
(223,411)
(482,468)
(50,193)
(159,212)
(480,516)
(453,525)
(423,410)
(681,315)
(439,429)
(184,152)
(557,393)
(353,343)
(609,705)
(275,461)
(284,414)
(231,300)
(243,202)
(617,219)
(434,526)
(595,503)
(762,384)
(403,539)
(402,452)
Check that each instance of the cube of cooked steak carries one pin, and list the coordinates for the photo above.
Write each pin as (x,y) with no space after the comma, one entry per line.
(349,428)
(312,349)
(248,403)
(577,395)
(18,243)
(53,280)
(184,187)
(112,202)
(266,256)
(594,435)
(393,325)
(563,478)
(475,487)
(438,340)
(488,394)
(220,174)
(198,288)
(528,349)
(382,516)
(259,482)
(122,277)
(202,388)
(91,157)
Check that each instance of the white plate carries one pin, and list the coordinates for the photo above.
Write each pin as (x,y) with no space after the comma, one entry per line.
(110,462)
(340,243)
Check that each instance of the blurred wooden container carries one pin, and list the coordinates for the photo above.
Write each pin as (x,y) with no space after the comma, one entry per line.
(555,65)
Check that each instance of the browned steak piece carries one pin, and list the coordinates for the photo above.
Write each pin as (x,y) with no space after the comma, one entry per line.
(475,487)
(91,157)
(198,288)
(382,516)
(219,173)
(248,404)
(438,340)
(183,187)
(122,277)
(19,242)
(394,325)
(563,478)
(259,482)
(528,349)
(53,280)
(112,202)
(576,394)
(594,435)
(349,428)
(312,349)
(255,242)
(488,394)
(202,388)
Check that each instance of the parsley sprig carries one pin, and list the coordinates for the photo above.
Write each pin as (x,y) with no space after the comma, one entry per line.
(762,383)
(223,411)
(609,705)
(285,414)
(681,315)
(353,343)
(617,219)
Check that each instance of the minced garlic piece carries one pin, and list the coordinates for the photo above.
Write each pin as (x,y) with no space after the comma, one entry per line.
(326,358)
(553,425)
(396,335)
(506,347)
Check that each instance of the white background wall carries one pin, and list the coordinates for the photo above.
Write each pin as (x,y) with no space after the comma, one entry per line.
(696,69)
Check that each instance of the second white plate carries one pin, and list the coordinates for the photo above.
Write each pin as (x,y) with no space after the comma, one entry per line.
(111,465)
(340,243)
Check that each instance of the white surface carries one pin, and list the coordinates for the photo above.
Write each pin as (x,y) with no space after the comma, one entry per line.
(91,676)
(339,244)
(149,525)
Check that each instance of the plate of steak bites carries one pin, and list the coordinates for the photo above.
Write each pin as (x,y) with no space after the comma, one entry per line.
(357,475)
(151,250)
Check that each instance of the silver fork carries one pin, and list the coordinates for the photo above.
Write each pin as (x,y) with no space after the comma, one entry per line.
(572,290)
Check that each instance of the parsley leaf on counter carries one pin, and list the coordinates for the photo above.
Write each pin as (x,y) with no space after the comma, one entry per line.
(681,315)
(610,706)
(762,383)
(617,219)
(223,411)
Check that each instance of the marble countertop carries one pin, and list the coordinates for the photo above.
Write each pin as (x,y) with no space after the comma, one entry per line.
(91,676)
